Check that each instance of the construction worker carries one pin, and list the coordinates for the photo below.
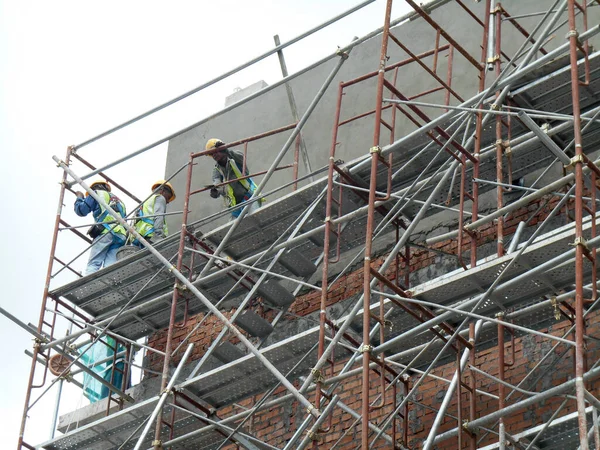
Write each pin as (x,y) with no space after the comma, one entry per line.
(228,167)
(151,222)
(108,235)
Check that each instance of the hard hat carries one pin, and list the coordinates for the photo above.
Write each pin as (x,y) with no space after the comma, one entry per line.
(213,143)
(164,183)
(100,182)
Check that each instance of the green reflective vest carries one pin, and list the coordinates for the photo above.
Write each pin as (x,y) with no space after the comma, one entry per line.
(116,204)
(145,225)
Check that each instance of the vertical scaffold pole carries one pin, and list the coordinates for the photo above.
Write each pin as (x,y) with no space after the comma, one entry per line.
(326,239)
(579,243)
(36,348)
(176,287)
(375,154)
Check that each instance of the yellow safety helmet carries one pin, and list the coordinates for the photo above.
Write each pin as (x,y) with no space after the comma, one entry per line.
(97,183)
(164,183)
(213,143)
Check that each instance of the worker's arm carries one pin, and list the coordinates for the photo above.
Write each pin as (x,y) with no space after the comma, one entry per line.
(160,207)
(85,205)
(217,178)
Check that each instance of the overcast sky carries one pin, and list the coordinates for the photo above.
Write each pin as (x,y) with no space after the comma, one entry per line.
(70,70)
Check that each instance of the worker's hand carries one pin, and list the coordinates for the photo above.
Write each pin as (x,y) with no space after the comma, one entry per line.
(214,193)
(79,194)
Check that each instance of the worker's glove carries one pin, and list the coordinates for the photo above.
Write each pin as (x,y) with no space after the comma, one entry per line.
(214,193)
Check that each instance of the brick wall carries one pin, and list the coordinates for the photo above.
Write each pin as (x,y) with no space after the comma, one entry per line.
(278,424)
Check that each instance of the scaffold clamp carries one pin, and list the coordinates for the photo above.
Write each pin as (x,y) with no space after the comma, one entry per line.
(574,160)
(375,149)
(365,349)
(554,303)
(157,444)
(317,376)
(341,53)
(313,436)
(581,241)
(389,324)
(572,33)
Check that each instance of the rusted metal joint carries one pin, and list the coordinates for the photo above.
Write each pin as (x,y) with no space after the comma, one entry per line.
(375,149)
(318,377)
(365,349)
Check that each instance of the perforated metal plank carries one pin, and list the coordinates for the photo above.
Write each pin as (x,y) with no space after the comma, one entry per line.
(562,433)
(248,376)
(110,432)
(253,324)
(458,284)
(227,352)
(297,263)
(275,294)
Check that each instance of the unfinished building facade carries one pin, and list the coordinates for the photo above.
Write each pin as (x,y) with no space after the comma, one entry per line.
(422,274)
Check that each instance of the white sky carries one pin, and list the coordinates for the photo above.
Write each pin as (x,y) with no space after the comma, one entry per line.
(70,69)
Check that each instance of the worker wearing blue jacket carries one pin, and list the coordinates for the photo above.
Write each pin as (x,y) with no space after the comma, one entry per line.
(107,234)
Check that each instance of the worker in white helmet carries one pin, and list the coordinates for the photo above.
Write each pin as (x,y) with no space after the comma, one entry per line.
(108,235)
(228,167)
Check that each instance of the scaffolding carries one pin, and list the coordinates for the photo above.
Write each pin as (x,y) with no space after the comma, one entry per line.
(534,110)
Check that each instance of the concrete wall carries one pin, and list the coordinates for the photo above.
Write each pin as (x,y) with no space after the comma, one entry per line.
(272,109)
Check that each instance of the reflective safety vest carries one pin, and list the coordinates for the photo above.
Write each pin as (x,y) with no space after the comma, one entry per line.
(145,225)
(102,216)
(247,183)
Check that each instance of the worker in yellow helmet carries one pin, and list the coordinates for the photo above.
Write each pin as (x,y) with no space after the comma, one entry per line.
(229,165)
(108,235)
(151,223)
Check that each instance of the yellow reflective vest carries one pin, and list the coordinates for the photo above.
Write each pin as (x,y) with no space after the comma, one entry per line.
(103,217)
(247,183)
(145,226)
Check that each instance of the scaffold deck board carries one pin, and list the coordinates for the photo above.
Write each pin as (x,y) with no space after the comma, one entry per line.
(561,434)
